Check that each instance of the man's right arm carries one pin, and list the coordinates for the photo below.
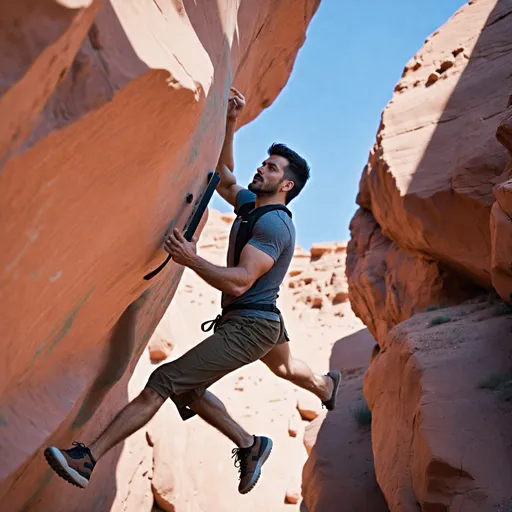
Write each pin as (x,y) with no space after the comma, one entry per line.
(228,188)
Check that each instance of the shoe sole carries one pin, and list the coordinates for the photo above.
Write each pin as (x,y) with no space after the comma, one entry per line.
(58,463)
(257,470)
(330,404)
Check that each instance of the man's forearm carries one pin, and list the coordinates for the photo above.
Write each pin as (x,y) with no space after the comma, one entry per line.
(226,155)
(231,280)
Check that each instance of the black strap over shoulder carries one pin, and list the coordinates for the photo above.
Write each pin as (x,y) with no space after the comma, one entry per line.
(249,215)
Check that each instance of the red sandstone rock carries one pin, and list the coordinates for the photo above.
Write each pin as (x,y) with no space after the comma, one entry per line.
(388,285)
(294,425)
(339,473)
(160,349)
(441,438)
(435,221)
(319,249)
(501,220)
(293,490)
(504,130)
(430,176)
(436,194)
(308,406)
(501,241)
(109,116)
(318,277)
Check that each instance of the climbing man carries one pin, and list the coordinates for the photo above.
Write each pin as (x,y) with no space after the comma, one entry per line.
(250,328)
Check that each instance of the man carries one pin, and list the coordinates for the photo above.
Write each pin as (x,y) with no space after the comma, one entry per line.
(241,336)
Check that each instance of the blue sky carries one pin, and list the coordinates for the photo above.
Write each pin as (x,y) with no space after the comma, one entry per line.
(330,109)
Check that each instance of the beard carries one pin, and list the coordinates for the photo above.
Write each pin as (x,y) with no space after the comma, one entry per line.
(263,188)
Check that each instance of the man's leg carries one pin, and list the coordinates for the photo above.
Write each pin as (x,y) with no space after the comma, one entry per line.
(214,412)
(281,363)
(76,464)
(252,451)
(130,419)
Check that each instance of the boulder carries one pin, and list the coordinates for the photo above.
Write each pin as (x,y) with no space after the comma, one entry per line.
(439,394)
(430,176)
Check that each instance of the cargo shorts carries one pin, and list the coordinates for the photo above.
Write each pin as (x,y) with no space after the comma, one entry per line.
(237,341)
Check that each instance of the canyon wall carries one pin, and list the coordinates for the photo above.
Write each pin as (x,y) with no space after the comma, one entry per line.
(429,268)
(112,113)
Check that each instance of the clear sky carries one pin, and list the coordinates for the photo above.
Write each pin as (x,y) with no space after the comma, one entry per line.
(330,109)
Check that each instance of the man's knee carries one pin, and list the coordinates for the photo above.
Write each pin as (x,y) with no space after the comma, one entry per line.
(150,397)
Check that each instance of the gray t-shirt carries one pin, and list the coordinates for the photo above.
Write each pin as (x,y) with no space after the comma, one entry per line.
(274,234)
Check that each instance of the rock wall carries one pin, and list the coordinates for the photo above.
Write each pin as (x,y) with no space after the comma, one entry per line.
(110,114)
(431,174)
(339,473)
(429,268)
(439,392)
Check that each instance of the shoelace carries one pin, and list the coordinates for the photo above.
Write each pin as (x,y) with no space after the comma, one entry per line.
(80,449)
(240,455)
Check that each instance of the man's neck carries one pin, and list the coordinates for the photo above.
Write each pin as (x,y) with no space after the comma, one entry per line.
(266,200)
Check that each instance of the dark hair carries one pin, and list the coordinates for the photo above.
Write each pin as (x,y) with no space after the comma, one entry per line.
(297,169)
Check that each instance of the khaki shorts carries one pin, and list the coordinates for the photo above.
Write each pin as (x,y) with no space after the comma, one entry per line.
(237,341)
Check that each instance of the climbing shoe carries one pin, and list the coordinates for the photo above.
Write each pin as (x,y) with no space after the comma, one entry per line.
(74,465)
(249,462)
(330,404)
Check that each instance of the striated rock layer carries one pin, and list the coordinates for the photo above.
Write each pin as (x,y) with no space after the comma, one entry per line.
(434,231)
(388,284)
(429,181)
(110,115)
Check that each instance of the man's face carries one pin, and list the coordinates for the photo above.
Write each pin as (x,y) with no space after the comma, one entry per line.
(269,178)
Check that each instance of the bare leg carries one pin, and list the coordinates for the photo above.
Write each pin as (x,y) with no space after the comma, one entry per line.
(130,419)
(281,363)
(214,412)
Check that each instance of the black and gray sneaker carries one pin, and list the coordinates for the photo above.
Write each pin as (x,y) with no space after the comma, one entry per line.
(330,404)
(249,462)
(74,465)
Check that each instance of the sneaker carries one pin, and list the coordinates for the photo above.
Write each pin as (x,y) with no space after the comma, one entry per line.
(330,404)
(249,462)
(74,465)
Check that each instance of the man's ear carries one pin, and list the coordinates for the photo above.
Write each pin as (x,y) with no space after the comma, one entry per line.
(287,186)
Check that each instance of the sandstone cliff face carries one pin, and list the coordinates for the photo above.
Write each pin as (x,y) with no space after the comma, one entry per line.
(430,247)
(429,182)
(110,115)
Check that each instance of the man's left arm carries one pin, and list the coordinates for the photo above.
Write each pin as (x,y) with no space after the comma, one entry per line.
(231,280)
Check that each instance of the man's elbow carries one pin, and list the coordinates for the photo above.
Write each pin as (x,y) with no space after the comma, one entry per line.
(239,289)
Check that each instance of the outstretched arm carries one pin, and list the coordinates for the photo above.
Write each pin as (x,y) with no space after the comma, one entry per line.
(232,280)
(228,188)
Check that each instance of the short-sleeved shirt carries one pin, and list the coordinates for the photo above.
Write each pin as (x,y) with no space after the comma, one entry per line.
(274,234)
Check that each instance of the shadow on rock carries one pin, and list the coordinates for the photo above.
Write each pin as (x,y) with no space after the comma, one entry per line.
(339,473)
